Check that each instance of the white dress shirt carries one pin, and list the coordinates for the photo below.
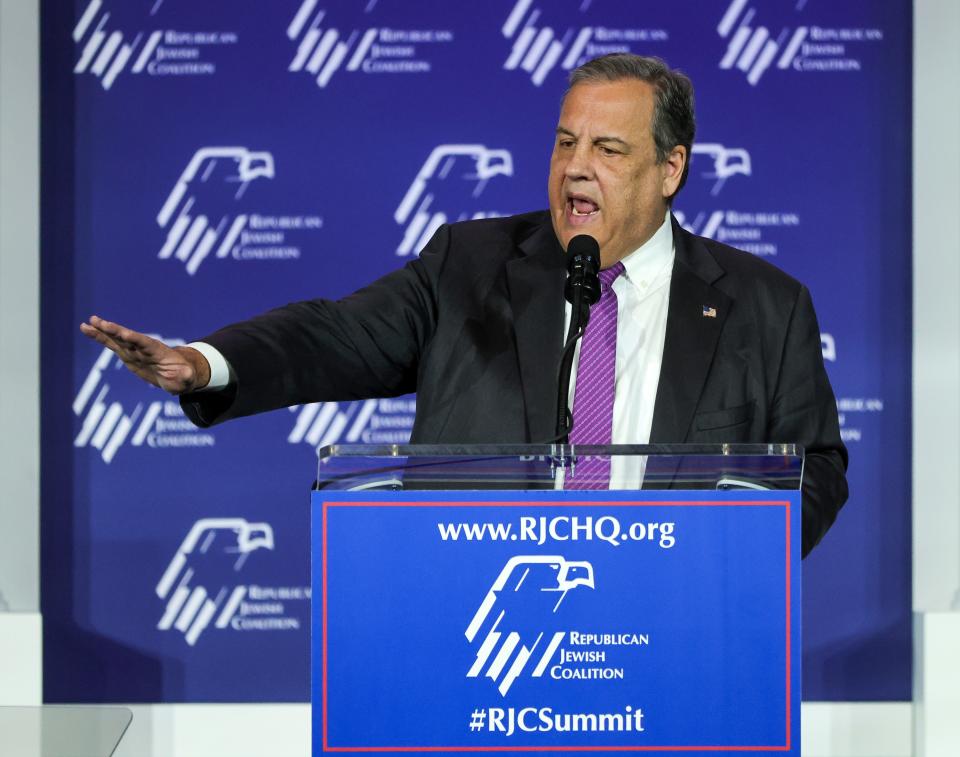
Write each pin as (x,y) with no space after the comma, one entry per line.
(643,294)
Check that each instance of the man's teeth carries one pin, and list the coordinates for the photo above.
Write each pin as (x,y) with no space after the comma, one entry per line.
(578,213)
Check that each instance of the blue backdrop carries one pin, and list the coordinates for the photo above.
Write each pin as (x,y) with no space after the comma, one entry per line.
(205,161)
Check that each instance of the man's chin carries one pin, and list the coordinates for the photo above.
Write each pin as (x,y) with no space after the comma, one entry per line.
(565,230)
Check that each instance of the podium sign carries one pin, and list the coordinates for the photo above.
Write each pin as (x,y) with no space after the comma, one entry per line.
(556,620)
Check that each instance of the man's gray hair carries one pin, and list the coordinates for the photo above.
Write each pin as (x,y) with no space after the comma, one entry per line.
(673,117)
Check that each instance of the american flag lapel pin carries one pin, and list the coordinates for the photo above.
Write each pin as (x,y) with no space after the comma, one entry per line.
(709,312)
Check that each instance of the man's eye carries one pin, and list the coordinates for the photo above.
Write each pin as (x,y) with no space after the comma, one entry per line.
(607,150)
(566,143)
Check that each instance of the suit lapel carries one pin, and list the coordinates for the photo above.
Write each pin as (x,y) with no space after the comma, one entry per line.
(691,338)
(535,283)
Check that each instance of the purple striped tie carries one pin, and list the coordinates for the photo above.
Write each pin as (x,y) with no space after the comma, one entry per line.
(596,377)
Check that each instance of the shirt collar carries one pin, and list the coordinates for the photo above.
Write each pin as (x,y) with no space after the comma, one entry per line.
(647,263)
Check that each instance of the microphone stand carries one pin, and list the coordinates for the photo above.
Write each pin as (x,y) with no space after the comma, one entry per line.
(579,317)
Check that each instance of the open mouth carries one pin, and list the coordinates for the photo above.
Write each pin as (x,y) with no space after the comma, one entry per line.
(581,207)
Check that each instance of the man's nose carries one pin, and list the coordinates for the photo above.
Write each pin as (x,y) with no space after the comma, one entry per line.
(580,165)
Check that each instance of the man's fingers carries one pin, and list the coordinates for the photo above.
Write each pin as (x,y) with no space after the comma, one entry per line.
(129,339)
(101,337)
(137,354)
(87,330)
(115,330)
(148,358)
(103,325)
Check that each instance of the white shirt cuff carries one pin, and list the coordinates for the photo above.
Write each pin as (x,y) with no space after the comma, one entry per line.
(221,374)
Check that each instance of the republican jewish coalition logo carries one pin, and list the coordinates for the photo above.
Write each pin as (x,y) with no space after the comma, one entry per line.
(200,585)
(115,409)
(191,238)
(384,421)
(357,45)
(518,616)
(110,39)
(752,49)
(758,232)
(449,187)
(208,215)
(725,163)
(538,49)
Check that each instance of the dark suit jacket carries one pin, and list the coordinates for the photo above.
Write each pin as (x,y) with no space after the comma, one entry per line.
(474,327)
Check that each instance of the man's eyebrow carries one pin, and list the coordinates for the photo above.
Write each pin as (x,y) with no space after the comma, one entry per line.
(612,139)
(568,133)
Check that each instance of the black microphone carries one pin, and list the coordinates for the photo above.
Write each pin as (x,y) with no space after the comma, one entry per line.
(583,277)
(582,290)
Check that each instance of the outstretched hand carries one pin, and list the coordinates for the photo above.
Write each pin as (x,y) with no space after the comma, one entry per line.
(174,369)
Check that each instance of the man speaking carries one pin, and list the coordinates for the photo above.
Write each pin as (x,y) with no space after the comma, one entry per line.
(690,340)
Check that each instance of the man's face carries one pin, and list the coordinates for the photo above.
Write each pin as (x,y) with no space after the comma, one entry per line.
(604,178)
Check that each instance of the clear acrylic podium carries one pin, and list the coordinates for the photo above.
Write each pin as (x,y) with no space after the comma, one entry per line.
(485,598)
(532,466)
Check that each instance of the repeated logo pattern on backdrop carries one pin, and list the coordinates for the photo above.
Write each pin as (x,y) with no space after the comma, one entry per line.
(193,599)
(227,162)
(115,409)
(752,49)
(205,212)
(107,48)
(448,188)
(538,48)
(357,44)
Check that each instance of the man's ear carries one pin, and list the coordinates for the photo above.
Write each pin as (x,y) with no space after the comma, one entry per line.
(673,168)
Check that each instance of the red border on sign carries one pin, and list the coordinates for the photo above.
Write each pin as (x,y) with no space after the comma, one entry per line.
(785,747)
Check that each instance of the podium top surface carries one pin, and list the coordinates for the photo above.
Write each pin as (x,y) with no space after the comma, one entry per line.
(556,466)
(62,731)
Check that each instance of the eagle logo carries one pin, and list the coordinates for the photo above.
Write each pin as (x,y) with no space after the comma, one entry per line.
(198,214)
(519,610)
(727,162)
(200,581)
(448,188)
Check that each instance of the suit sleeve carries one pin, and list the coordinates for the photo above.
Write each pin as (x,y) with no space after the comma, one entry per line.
(368,344)
(805,410)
